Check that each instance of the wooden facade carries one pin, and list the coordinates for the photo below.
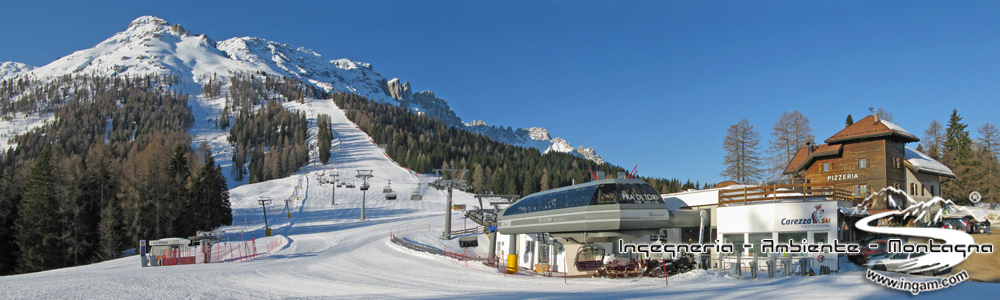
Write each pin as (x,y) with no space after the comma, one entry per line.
(864,158)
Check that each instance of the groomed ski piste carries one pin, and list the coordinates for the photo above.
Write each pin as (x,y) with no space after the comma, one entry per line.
(328,252)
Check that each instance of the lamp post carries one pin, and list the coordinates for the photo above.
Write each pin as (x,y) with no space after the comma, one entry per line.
(364,175)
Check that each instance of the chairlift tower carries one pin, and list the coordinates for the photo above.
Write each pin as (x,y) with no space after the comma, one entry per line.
(264,201)
(333,195)
(364,175)
(500,200)
(450,183)
(286,207)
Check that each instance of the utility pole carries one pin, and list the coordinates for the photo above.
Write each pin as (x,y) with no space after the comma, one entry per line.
(364,175)
(333,195)
(450,183)
(264,201)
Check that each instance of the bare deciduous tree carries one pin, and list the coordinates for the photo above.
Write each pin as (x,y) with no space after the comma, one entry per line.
(933,137)
(989,138)
(884,114)
(743,161)
(790,133)
(988,165)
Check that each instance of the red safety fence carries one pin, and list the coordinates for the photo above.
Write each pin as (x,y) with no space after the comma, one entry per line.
(219,253)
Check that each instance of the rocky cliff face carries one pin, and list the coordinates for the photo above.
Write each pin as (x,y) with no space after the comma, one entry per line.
(399,91)
(534,137)
(590,154)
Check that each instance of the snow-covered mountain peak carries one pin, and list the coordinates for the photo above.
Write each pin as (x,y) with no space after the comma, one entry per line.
(146,20)
(538,133)
(560,145)
(255,49)
(344,63)
(10,68)
(153,46)
(146,28)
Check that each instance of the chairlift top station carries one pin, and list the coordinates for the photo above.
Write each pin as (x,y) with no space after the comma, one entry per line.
(606,207)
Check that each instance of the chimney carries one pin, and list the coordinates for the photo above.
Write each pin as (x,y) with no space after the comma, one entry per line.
(809,147)
(600,175)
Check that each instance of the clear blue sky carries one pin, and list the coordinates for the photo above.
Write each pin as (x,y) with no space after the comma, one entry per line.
(650,83)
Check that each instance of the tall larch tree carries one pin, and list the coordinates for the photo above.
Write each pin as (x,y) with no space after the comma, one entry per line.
(743,158)
(790,133)
(989,164)
(934,139)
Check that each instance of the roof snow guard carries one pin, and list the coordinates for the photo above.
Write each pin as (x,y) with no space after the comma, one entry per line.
(870,127)
(920,162)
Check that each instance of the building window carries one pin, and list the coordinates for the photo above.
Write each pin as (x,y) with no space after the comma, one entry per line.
(913,189)
(796,237)
(735,239)
(821,237)
(755,240)
(826,167)
(861,190)
(862,163)
(932,190)
(921,189)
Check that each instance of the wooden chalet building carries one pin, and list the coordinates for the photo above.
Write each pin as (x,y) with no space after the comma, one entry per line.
(866,157)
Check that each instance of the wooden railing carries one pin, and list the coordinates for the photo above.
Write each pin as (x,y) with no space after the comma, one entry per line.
(787,192)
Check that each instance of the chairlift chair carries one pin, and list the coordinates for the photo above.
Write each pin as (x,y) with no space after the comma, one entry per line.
(416,196)
(387,188)
(590,257)
(390,196)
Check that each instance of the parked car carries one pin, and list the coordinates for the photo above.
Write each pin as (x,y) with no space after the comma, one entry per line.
(894,262)
(864,241)
(983,227)
(957,223)
(935,225)
(880,243)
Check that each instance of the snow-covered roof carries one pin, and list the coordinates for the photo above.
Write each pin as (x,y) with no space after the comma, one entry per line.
(896,128)
(924,163)
(871,127)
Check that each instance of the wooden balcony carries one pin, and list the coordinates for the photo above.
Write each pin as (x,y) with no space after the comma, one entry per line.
(784,193)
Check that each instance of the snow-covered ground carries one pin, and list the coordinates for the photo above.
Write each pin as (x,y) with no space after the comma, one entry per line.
(20,123)
(331,253)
